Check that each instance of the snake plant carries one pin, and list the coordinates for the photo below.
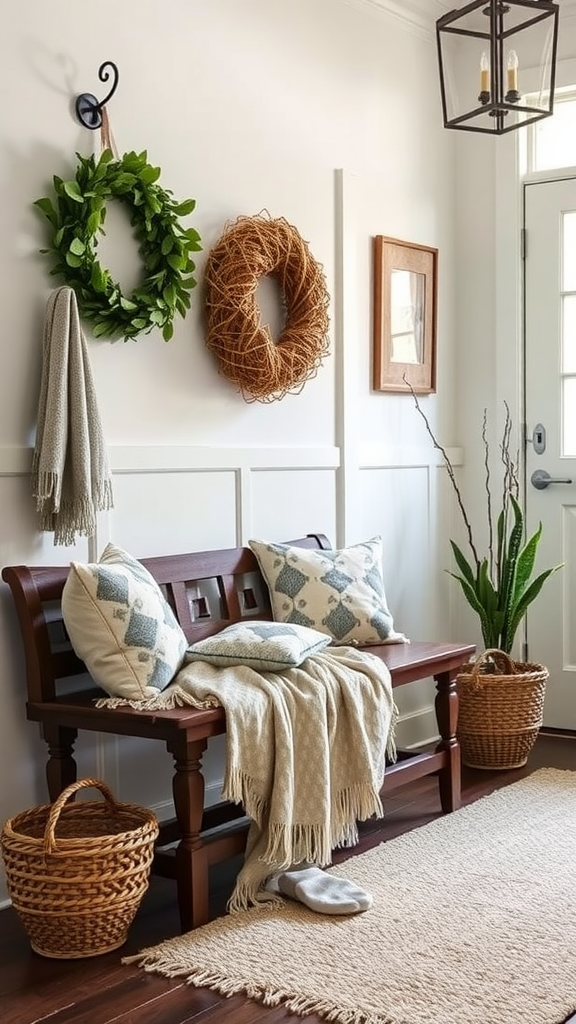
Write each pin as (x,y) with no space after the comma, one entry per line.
(501,597)
(501,585)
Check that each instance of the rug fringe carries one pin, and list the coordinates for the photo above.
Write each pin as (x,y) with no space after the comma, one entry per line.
(171,966)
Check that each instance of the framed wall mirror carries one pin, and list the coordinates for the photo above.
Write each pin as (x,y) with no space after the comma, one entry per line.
(405,301)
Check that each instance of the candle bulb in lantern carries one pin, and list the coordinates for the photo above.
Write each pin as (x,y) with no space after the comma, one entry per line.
(512,95)
(484,96)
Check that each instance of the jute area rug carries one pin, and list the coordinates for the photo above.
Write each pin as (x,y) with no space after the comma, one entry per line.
(473,922)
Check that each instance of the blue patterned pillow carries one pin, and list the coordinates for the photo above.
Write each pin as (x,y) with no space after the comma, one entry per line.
(121,625)
(340,593)
(265,646)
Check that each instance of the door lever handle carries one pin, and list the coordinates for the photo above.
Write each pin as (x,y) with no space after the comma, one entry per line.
(540,479)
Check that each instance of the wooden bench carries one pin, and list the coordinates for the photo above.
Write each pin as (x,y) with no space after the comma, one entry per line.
(208,590)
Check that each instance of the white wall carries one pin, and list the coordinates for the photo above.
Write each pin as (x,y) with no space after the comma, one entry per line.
(321,111)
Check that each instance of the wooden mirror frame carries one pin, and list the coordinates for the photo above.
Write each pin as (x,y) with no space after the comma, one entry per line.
(391,254)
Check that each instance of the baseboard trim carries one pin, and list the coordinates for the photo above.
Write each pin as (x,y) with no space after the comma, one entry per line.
(548,730)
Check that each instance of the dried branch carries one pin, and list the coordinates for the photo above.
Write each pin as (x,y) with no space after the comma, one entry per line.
(451,474)
(488,491)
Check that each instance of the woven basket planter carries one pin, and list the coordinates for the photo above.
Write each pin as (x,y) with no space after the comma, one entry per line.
(499,713)
(77,871)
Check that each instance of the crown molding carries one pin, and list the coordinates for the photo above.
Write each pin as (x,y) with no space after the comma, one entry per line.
(420,16)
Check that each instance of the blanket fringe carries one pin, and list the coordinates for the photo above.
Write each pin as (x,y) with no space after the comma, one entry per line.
(177,698)
(172,964)
(355,803)
(247,897)
(240,789)
(391,751)
(294,843)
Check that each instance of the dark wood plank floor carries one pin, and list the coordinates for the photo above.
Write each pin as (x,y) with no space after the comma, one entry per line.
(102,990)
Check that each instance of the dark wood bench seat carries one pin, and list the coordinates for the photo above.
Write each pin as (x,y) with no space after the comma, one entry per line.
(208,591)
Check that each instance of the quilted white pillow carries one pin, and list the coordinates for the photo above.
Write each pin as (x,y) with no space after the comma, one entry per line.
(340,593)
(262,645)
(121,625)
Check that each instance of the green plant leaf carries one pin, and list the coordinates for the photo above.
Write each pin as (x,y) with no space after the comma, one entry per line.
(463,564)
(48,209)
(487,594)
(529,595)
(71,189)
(472,598)
(176,262)
(526,560)
(182,209)
(149,174)
(100,329)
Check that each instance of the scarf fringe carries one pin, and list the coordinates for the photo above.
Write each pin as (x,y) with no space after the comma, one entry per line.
(44,484)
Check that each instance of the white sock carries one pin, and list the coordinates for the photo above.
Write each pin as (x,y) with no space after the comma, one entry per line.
(321,892)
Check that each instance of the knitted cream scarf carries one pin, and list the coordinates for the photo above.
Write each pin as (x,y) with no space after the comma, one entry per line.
(70,473)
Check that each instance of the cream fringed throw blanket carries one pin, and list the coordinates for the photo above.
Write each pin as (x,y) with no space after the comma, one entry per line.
(305,754)
(70,473)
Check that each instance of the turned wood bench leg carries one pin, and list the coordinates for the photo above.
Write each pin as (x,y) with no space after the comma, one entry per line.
(61,768)
(446,707)
(191,860)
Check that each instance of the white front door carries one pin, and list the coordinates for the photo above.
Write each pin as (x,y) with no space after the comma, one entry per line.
(550,368)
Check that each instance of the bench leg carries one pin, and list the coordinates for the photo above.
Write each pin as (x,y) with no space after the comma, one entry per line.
(61,767)
(191,859)
(446,706)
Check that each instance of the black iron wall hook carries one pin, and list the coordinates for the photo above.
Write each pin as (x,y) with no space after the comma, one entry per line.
(88,108)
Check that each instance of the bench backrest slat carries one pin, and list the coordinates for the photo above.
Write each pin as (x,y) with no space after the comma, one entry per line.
(207,590)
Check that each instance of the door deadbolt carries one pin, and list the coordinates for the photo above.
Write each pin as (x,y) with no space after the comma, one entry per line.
(539,438)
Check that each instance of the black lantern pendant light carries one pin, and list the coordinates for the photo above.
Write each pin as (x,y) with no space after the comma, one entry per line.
(483,50)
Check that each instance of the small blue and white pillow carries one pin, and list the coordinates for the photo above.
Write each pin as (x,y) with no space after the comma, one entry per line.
(121,626)
(262,645)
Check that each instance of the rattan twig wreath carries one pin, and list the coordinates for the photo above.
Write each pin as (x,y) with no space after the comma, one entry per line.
(249,249)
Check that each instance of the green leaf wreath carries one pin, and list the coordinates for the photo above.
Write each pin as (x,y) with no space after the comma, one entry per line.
(77,217)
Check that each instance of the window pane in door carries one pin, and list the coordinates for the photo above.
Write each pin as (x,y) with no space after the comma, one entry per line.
(555,138)
(569,417)
(569,334)
(569,252)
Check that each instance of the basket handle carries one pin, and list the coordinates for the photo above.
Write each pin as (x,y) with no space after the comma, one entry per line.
(58,805)
(498,655)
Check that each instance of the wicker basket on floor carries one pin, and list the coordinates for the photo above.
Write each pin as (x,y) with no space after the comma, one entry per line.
(77,871)
(500,711)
